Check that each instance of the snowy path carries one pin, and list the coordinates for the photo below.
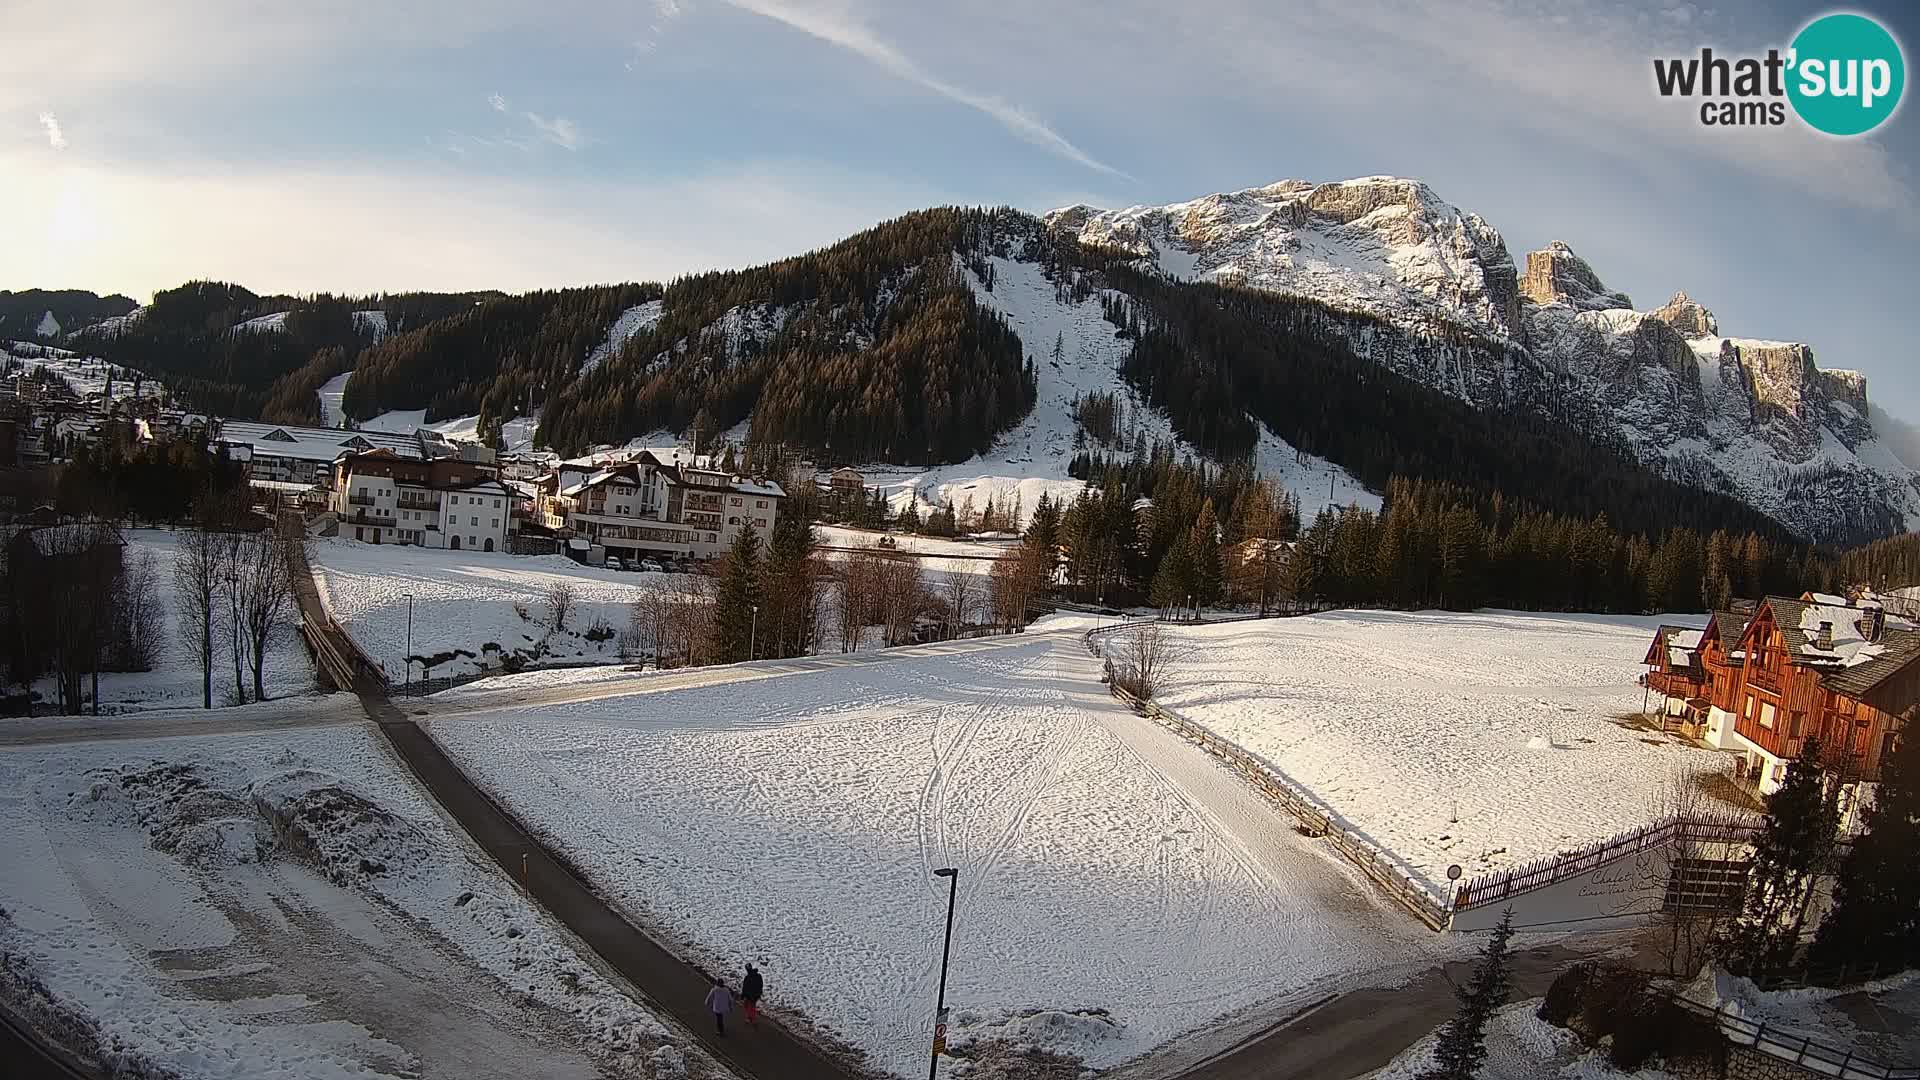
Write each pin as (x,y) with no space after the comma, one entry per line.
(285,714)
(1104,865)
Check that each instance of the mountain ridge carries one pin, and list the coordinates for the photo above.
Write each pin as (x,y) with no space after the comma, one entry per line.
(1754,418)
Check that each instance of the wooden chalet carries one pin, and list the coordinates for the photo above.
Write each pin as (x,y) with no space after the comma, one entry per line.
(1817,666)
(1674,669)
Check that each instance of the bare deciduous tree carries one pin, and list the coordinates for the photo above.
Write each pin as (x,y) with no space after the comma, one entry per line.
(197,572)
(142,621)
(1143,657)
(263,582)
(958,598)
(560,603)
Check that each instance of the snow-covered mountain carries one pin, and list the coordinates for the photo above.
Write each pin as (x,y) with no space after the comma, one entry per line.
(1758,420)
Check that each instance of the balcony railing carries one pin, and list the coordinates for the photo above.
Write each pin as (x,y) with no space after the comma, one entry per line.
(362,517)
(360,500)
(419,504)
(1764,680)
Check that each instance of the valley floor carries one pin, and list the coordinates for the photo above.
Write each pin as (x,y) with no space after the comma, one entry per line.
(1117,889)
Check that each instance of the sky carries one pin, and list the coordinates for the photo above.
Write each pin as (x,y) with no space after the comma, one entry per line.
(358,146)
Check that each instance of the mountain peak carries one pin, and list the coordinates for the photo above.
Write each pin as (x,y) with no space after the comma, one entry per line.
(1555,275)
(1685,314)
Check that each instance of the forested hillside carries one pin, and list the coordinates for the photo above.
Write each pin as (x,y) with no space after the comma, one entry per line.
(22,313)
(224,349)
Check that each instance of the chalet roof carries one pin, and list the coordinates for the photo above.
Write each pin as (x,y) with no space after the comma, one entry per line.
(1678,644)
(1899,648)
(1730,626)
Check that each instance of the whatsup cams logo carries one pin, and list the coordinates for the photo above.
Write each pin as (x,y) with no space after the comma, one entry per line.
(1842,75)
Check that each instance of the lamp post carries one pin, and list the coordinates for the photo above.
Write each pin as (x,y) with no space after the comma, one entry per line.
(753,634)
(952,874)
(408,658)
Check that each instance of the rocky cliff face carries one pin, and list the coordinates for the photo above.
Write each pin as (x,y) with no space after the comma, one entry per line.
(1755,419)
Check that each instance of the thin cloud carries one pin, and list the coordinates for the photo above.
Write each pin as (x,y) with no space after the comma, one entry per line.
(499,103)
(559,131)
(842,30)
(55,137)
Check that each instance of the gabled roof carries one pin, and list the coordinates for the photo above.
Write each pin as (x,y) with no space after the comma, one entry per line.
(1675,646)
(1727,627)
(1899,649)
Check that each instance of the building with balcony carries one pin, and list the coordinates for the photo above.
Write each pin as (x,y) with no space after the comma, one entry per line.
(380,497)
(1819,666)
(643,506)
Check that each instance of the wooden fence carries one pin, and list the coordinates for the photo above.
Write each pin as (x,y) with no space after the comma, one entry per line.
(1315,819)
(1502,885)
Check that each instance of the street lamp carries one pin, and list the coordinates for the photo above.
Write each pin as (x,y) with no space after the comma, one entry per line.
(952,874)
(753,634)
(408,658)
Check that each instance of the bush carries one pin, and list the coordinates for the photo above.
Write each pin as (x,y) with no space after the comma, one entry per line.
(1565,995)
(601,630)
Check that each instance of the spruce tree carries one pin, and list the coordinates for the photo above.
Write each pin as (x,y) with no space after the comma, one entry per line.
(1463,1042)
(734,616)
(790,591)
(1203,555)
(1790,854)
(1875,919)
(1173,581)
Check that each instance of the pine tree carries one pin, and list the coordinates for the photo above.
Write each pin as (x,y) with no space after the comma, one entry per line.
(1203,554)
(1173,581)
(790,591)
(1463,1042)
(1875,919)
(734,614)
(1790,854)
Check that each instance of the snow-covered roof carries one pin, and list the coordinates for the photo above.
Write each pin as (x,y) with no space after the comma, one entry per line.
(1848,644)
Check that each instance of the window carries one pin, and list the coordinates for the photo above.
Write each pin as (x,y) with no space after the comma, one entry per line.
(1766,714)
(475,520)
(760,504)
(471,541)
(737,501)
(496,523)
(496,504)
(1795,721)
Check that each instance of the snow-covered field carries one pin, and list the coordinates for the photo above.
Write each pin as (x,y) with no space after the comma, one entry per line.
(466,600)
(937,555)
(175,681)
(1481,739)
(285,905)
(795,821)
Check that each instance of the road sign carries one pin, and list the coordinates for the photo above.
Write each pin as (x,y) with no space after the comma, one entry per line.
(940,1033)
(1453,872)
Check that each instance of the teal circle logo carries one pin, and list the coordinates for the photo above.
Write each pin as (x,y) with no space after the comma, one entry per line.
(1846,73)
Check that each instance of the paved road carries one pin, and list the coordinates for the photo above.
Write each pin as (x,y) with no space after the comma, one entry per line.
(1355,1033)
(27,1058)
(315,711)
(767,1052)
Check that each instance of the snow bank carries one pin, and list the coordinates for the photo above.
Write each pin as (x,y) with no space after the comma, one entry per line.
(1521,1046)
(1482,739)
(289,905)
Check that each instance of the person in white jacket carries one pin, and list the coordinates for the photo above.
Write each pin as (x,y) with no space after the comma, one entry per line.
(719,1003)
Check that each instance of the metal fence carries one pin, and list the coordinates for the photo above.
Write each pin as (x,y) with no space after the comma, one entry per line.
(1798,1050)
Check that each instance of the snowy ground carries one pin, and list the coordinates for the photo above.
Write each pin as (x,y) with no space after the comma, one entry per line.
(1521,1046)
(175,681)
(85,374)
(287,905)
(466,600)
(937,555)
(795,821)
(1481,739)
(331,393)
(1880,1020)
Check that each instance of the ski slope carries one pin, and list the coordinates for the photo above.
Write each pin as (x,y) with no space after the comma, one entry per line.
(1116,888)
(1032,458)
(1483,739)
